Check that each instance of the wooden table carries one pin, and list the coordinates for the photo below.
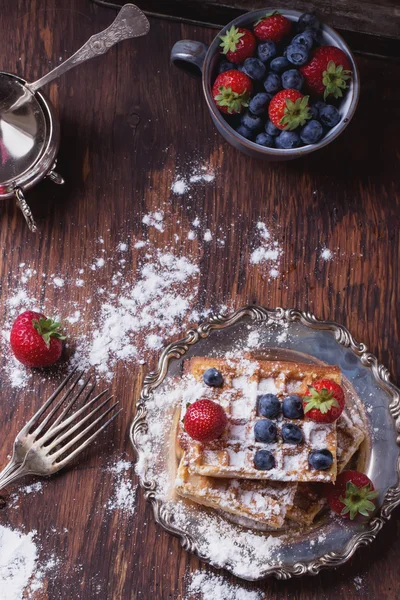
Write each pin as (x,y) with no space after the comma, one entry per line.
(127,120)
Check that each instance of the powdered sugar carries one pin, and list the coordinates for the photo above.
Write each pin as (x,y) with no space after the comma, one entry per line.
(18,556)
(326,254)
(155,219)
(203,586)
(129,307)
(179,186)
(20,574)
(157,299)
(124,492)
(194,174)
(268,253)
(128,316)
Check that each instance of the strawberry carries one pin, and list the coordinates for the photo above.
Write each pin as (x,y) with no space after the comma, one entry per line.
(273,26)
(36,340)
(231,91)
(288,109)
(327,72)
(351,495)
(238,44)
(324,401)
(205,420)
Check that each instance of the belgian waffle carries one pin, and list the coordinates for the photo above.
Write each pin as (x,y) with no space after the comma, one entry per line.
(267,502)
(308,500)
(232,455)
(349,438)
(263,501)
(307,503)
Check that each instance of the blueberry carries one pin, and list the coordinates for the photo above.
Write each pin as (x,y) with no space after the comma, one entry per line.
(306,38)
(308,21)
(329,115)
(259,103)
(264,460)
(292,434)
(292,79)
(297,54)
(316,107)
(292,407)
(272,83)
(271,129)
(252,122)
(264,139)
(245,132)
(266,51)
(279,64)
(312,132)
(265,431)
(287,140)
(254,68)
(268,405)
(213,378)
(320,459)
(225,66)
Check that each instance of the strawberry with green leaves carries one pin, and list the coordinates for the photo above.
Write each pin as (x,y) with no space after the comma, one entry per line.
(289,109)
(238,44)
(36,341)
(231,91)
(353,495)
(324,401)
(327,72)
(273,26)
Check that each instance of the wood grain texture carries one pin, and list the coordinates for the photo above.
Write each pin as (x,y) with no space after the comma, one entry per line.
(361,22)
(119,114)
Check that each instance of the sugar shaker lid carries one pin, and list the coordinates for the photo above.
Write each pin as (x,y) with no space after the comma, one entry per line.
(23,128)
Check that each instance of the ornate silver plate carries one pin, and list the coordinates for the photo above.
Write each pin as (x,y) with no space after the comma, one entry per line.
(281,334)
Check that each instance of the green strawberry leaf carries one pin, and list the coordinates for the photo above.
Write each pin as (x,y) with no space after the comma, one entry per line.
(232,100)
(335,80)
(322,400)
(358,500)
(230,40)
(296,113)
(48,328)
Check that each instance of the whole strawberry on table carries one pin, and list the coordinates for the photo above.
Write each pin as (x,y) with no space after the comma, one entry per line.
(276,85)
(36,341)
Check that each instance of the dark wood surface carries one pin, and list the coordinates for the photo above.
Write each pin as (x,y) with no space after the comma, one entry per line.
(119,114)
(371,17)
(371,26)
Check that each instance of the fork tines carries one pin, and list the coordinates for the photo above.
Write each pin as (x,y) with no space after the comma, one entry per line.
(54,432)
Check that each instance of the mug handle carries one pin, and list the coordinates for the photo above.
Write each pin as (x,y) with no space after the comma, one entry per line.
(189,55)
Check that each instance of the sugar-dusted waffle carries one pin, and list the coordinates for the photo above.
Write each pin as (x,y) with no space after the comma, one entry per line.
(263,501)
(307,503)
(267,502)
(233,454)
(349,438)
(309,499)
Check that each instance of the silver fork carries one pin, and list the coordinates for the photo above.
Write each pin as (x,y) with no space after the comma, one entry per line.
(46,447)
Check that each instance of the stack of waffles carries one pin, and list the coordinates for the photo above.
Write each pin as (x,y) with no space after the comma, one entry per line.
(222,474)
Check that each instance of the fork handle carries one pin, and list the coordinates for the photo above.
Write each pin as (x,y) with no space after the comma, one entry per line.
(12,472)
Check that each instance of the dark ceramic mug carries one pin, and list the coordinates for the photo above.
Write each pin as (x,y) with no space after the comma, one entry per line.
(199,59)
